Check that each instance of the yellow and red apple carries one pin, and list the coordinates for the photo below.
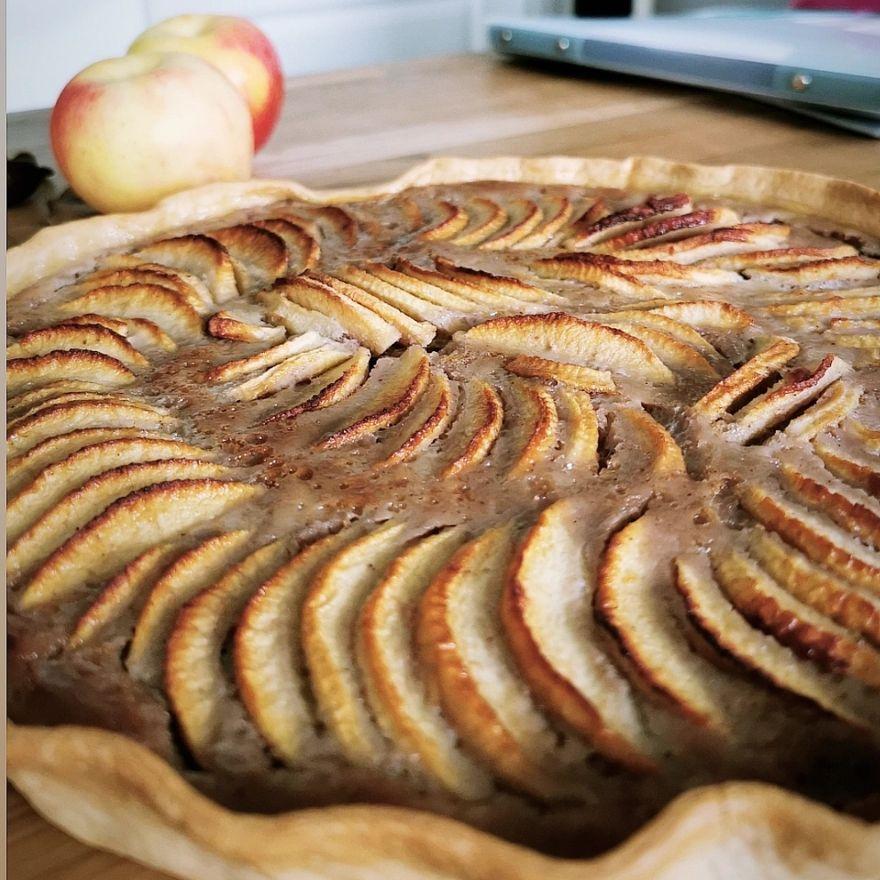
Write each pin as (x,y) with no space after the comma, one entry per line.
(236,47)
(128,131)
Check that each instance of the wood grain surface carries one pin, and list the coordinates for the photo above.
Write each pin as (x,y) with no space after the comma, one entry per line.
(370,124)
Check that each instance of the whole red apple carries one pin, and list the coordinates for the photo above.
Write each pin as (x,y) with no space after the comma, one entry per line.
(235,46)
(127,131)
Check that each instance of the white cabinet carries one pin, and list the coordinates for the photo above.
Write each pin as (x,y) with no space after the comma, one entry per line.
(48,41)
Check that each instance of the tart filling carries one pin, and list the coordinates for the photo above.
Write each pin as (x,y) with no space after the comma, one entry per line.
(529,505)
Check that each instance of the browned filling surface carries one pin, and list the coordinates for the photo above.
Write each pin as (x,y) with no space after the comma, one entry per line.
(532,506)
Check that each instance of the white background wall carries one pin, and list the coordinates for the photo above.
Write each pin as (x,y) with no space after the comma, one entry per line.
(48,41)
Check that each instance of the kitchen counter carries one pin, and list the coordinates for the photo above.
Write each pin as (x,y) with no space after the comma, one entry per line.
(366,125)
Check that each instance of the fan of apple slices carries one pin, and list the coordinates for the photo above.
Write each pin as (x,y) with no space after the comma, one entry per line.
(508,501)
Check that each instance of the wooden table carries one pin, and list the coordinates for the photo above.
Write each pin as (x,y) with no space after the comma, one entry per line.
(368,125)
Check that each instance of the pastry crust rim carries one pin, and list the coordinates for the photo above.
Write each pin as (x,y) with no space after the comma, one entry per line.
(107,790)
(57,249)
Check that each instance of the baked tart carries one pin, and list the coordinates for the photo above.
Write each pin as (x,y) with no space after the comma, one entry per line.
(456,528)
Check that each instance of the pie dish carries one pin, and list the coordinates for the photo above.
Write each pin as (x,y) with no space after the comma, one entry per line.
(518,518)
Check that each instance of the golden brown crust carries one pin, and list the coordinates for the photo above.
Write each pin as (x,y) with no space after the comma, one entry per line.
(109,791)
(57,249)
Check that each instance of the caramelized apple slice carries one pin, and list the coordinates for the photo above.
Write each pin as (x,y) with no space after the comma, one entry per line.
(22,470)
(452,220)
(861,474)
(707,315)
(631,602)
(397,396)
(561,655)
(567,338)
(852,269)
(728,240)
(862,302)
(475,678)
(712,613)
(417,308)
(129,270)
(641,265)
(303,250)
(485,219)
(556,214)
(813,299)
(679,356)
(199,255)
(809,634)
(335,221)
(581,446)
(392,677)
(498,284)
(359,322)
(868,437)
(680,330)
(195,682)
(817,538)
(59,399)
(480,290)
(120,326)
(672,228)
(23,404)
(120,593)
(537,420)
(854,516)
(30,403)
(419,287)
(31,372)
(637,266)
(298,320)
(80,397)
(835,403)
(80,506)
(290,372)
(482,417)
(751,374)
(64,337)
(127,528)
(226,325)
(328,388)
(842,326)
(790,396)
(412,213)
(788,256)
(600,271)
(329,617)
(60,479)
(140,332)
(596,226)
(647,444)
(163,307)
(574,375)
(67,417)
(427,421)
(259,256)
(411,332)
(194,571)
(268,659)
(263,360)
(523,217)
(855,609)
(866,346)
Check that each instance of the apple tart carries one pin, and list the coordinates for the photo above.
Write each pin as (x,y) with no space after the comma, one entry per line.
(509,502)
